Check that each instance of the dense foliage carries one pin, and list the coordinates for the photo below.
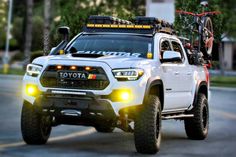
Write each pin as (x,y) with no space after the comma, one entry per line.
(3,22)
(75,12)
(225,23)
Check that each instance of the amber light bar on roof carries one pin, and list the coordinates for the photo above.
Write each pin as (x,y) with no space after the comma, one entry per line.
(119,26)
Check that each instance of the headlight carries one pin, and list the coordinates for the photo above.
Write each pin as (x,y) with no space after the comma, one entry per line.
(127,74)
(33,70)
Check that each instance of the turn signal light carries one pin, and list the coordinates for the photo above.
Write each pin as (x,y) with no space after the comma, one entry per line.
(87,68)
(73,67)
(59,67)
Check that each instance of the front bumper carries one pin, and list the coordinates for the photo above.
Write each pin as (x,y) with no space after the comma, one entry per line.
(86,106)
(136,88)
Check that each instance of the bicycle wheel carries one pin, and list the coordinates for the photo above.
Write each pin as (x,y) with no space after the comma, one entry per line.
(207,37)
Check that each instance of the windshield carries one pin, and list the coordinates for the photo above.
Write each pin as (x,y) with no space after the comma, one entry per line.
(112,44)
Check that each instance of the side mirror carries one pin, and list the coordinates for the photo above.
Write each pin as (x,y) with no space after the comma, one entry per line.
(64,31)
(171,56)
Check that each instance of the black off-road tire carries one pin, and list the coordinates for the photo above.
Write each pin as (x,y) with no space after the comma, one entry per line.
(35,127)
(197,127)
(104,129)
(147,127)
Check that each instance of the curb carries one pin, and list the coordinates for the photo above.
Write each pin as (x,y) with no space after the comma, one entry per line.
(12,77)
(227,89)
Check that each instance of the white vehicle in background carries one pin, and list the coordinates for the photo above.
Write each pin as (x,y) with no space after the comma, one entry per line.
(112,74)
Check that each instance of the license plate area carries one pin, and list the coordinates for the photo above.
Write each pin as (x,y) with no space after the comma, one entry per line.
(64,103)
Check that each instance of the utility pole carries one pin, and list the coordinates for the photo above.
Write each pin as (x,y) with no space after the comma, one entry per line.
(6,55)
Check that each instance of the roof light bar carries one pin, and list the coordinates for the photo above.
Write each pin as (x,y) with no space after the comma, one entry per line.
(141,23)
(119,26)
(95,19)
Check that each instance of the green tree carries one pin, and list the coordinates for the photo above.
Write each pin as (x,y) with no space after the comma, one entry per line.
(228,9)
(75,13)
(47,22)
(3,22)
(223,23)
(28,31)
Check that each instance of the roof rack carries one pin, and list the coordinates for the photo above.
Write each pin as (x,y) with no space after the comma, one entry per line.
(95,19)
(141,24)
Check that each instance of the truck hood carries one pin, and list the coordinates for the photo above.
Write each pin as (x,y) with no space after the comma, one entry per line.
(111,61)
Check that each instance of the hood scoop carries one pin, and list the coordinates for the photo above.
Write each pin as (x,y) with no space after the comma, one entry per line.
(85,55)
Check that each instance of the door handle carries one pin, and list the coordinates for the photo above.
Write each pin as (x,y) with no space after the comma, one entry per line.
(189,73)
(176,73)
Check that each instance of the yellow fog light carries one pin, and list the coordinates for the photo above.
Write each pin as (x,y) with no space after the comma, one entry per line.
(125,95)
(32,90)
(121,95)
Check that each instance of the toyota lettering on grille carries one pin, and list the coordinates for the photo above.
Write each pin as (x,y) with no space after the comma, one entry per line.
(73,75)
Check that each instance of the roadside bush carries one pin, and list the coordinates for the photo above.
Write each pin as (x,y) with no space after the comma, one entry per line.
(13,44)
(35,54)
(19,56)
(2,39)
(215,65)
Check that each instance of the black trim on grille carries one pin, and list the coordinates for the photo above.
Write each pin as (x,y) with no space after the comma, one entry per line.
(50,79)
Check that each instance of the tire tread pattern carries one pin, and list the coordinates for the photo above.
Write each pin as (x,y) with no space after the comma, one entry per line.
(145,127)
(31,127)
(193,126)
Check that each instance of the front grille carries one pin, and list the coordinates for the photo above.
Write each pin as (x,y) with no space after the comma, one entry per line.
(50,78)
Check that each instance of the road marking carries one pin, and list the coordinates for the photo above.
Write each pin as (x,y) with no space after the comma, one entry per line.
(10,94)
(225,114)
(2,146)
(53,139)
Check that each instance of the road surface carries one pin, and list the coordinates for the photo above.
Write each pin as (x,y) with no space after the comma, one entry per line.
(71,141)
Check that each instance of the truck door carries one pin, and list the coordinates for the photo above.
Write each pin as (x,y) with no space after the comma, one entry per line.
(186,74)
(174,74)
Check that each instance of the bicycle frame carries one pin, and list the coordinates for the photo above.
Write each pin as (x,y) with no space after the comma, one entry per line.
(199,21)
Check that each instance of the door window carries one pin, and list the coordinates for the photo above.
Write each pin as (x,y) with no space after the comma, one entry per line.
(165,46)
(177,47)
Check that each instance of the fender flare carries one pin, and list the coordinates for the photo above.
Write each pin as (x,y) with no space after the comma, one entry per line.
(199,85)
(150,84)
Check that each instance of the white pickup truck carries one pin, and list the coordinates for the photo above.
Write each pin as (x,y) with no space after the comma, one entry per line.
(112,74)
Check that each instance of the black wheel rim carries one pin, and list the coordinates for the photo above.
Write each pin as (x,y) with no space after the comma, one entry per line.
(204,117)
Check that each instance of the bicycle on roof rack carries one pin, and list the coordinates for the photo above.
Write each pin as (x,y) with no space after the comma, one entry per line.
(202,25)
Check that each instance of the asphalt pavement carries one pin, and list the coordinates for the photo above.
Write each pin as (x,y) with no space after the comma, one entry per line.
(73,141)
